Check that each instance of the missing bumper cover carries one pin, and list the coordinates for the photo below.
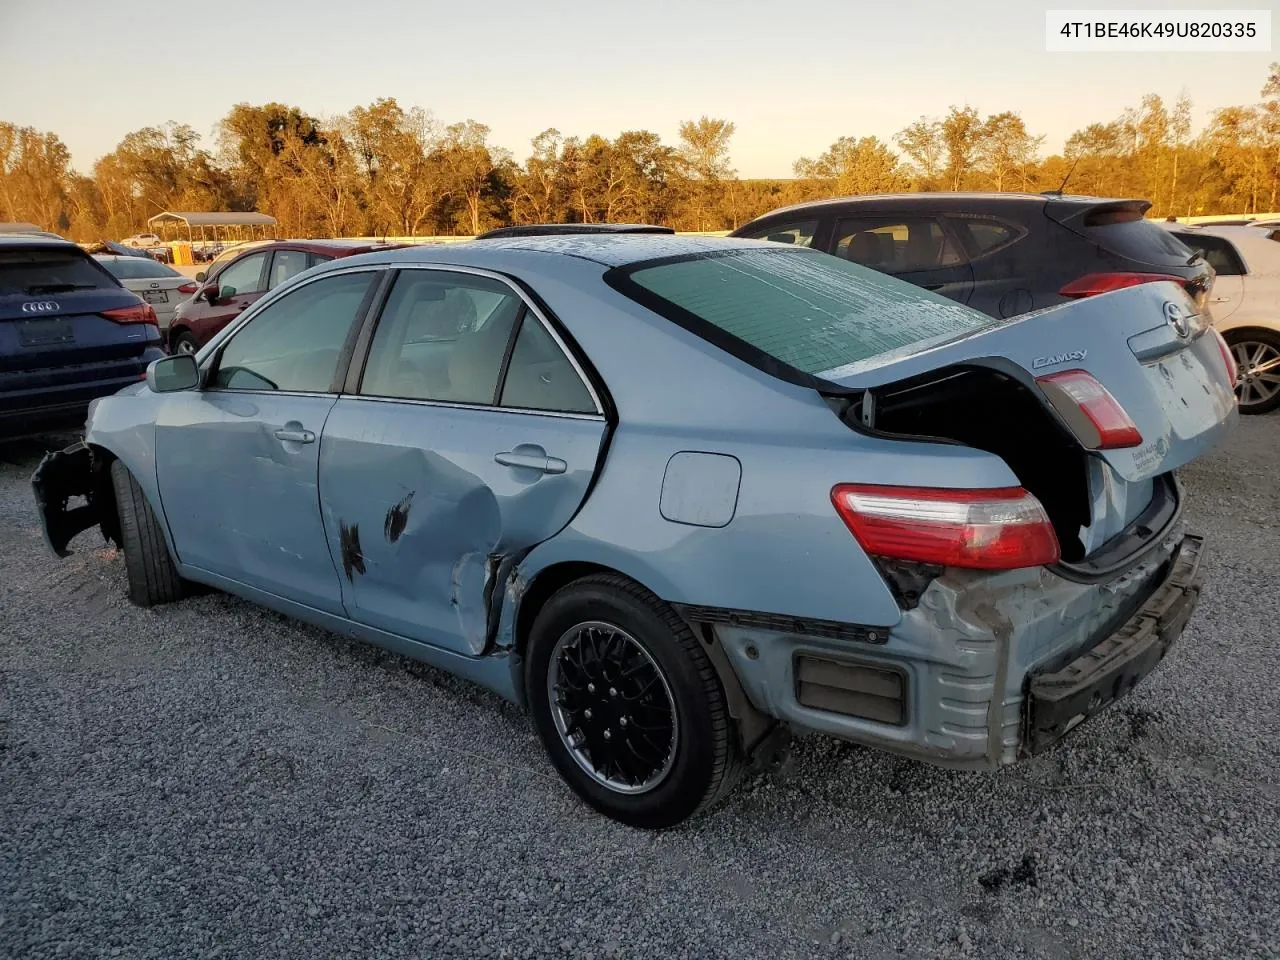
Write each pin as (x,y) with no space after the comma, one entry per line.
(62,475)
(1058,700)
(853,689)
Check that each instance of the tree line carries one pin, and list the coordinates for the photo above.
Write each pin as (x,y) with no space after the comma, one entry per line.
(383,170)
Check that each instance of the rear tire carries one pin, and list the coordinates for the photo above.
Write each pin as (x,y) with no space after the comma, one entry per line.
(1250,347)
(153,578)
(659,746)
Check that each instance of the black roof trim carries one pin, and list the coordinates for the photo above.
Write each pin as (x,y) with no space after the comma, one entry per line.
(566,229)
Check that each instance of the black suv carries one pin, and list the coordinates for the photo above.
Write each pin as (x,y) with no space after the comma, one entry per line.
(69,333)
(1001,253)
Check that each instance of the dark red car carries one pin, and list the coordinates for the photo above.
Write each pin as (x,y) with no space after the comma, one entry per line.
(235,285)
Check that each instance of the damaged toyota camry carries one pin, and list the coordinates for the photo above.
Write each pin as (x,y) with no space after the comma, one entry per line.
(683,496)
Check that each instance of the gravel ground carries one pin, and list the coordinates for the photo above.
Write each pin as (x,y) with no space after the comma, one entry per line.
(211,779)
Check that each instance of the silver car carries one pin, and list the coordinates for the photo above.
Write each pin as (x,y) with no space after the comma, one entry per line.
(158,284)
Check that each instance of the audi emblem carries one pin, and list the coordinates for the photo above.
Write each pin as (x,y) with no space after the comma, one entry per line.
(40,306)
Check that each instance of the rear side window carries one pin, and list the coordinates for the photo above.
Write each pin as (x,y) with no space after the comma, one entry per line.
(286,264)
(1218,251)
(809,311)
(136,268)
(901,246)
(799,232)
(983,236)
(51,270)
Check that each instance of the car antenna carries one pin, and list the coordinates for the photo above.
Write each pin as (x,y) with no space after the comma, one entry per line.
(1062,186)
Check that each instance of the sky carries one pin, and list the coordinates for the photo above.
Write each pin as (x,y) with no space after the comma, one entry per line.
(792,77)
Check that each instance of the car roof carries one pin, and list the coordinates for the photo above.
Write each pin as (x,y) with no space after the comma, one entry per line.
(607,249)
(560,229)
(34,240)
(947,200)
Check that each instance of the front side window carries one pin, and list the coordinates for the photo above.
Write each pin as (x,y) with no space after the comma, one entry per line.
(294,343)
(800,233)
(243,276)
(809,311)
(902,246)
(285,264)
(441,336)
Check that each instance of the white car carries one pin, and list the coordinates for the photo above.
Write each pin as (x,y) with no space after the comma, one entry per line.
(1245,303)
(158,284)
(142,240)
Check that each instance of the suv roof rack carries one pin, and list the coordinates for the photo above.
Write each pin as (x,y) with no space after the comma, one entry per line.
(563,229)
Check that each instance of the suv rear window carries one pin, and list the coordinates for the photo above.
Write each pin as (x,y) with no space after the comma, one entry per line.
(807,310)
(1138,239)
(50,270)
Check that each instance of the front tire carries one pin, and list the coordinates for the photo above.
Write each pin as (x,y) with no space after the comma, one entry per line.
(153,578)
(1257,356)
(627,704)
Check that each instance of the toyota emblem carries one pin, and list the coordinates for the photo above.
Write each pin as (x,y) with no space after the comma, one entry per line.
(40,306)
(1177,318)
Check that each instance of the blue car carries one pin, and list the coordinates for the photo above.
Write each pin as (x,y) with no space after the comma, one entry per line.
(683,496)
(69,333)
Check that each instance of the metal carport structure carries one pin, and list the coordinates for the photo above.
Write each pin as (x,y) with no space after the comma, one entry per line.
(259,225)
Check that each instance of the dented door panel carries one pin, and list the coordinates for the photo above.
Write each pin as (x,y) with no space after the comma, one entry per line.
(241,501)
(421,516)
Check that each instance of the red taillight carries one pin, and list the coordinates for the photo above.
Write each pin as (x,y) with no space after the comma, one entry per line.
(1227,357)
(187,289)
(994,529)
(1104,425)
(138,313)
(1092,284)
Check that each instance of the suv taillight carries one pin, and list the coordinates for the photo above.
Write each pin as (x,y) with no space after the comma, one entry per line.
(1092,284)
(1094,415)
(988,529)
(138,313)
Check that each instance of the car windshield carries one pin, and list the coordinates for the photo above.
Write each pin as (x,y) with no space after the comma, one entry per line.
(808,310)
(136,268)
(50,270)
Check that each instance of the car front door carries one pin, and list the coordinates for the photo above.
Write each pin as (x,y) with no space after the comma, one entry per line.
(917,249)
(236,461)
(237,287)
(468,437)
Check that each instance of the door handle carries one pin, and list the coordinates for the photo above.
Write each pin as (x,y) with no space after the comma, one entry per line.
(531,461)
(295,435)
(1220,300)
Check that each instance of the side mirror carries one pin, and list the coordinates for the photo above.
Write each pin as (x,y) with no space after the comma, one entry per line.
(171,374)
(201,277)
(225,293)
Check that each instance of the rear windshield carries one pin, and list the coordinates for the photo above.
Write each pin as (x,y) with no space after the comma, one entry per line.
(810,311)
(35,270)
(137,268)
(1140,240)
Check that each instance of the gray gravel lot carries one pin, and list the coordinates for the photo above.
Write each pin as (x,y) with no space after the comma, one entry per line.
(211,779)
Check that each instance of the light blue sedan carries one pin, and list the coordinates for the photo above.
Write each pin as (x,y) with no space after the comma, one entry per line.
(682,496)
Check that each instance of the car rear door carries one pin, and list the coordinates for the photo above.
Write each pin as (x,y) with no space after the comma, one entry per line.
(917,249)
(236,461)
(468,436)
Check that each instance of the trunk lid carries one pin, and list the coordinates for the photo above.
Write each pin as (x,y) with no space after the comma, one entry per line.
(1145,344)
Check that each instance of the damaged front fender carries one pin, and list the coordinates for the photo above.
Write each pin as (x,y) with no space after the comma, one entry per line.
(63,476)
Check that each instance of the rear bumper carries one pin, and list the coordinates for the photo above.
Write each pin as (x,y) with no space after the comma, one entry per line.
(62,475)
(987,669)
(59,398)
(1060,699)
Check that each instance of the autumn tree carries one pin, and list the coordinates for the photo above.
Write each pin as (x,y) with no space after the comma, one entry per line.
(855,166)
(704,154)
(923,145)
(1006,152)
